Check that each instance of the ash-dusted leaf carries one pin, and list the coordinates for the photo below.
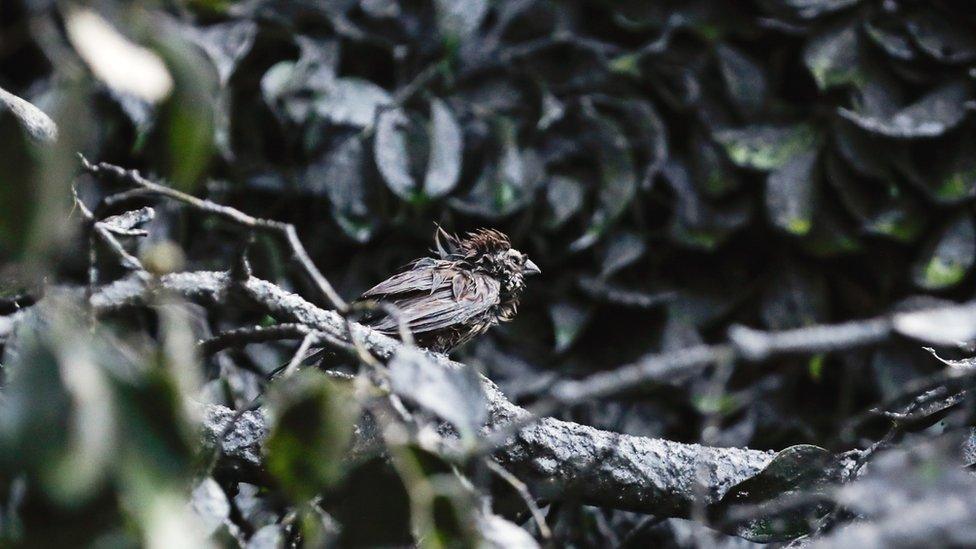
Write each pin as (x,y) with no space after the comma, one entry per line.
(811,9)
(290,87)
(744,79)
(391,154)
(209,504)
(313,420)
(446,147)
(453,394)
(865,152)
(892,40)
(568,320)
(618,180)
(940,326)
(833,56)
(766,147)
(114,59)
(565,197)
(955,178)
(458,19)
(934,114)
(712,173)
(948,255)
(794,297)
(351,101)
(790,193)
(339,175)
(226,44)
(943,39)
(798,470)
(498,533)
(507,184)
(38,125)
(831,235)
(880,206)
(648,133)
(621,250)
(697,223)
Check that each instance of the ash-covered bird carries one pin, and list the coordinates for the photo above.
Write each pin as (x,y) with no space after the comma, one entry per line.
(473,284)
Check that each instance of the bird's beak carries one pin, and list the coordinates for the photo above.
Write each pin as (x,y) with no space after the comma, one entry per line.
(531,268)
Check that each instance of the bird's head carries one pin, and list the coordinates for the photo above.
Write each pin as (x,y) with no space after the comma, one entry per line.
(489,251)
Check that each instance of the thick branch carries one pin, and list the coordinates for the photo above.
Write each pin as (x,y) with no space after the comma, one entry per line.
(603,468)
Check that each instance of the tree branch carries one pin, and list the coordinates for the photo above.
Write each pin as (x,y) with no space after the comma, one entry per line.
(554,457)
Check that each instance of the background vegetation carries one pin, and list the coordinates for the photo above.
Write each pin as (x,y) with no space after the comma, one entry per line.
(675,169)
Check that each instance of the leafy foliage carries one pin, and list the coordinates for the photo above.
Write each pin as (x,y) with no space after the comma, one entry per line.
(675,168)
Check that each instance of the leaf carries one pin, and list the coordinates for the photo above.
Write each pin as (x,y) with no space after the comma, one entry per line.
(790,193)
(339,175)
(226,44)
(498,533)
(210,505)
(618,179)
(565,198)
(313,419)
(38,125)
(934,114)
(390,154)
(506,184)
(697,223)
(798,470)
(812,9)
(794,297)
(188,117)
(351,101)
(947,256)
(744,79)
(446,147)
(891,39)
(458,19)
(879,206)
(568,321)
(621,250)
(944,40)
(833,56)
(453,394)
(122,65)
(766,148)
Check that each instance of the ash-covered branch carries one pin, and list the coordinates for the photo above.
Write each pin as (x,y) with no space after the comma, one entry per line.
(554,457)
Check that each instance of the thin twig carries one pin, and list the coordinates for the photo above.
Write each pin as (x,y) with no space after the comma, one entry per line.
(285,230)
(299,355)
(240,337)
(523,492)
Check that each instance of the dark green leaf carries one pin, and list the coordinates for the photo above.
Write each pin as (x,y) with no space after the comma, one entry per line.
(801,469)
(934,114)
(943,39)
(833,56)
(744,79)
(313,420)
(766,147)
(947,256)
(568,321)
(791,192)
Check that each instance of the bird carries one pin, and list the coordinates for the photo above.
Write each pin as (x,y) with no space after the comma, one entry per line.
(469,285)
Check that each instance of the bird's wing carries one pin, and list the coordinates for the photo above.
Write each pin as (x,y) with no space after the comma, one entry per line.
(454,302)
(426,275)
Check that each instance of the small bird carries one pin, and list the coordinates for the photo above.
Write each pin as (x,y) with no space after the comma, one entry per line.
(472,284)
